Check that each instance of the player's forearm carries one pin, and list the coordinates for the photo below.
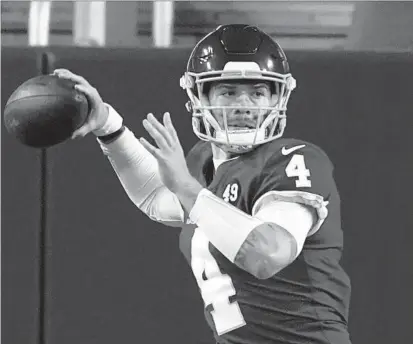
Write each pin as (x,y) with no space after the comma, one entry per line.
(256,246)
(134,166)
(138,173)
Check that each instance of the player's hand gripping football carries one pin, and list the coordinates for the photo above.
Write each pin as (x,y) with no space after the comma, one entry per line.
(98,111)
(169,153)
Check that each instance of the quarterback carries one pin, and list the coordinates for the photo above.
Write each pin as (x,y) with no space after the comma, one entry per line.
(260,213)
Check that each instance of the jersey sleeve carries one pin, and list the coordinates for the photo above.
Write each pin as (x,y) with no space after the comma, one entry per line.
(305,176)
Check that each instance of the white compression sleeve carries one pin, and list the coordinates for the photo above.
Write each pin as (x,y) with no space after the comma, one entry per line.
(224,225)
(138,173)
(227,227)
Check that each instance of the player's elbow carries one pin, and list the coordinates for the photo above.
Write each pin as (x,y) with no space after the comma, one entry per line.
(275,260)
(267,250)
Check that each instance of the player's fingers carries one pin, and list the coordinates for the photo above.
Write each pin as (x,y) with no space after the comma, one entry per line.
(59,70)
(81,132)
(151,149)
(75,134)
(89,92)
(160,128)
(170,127)
(156,135)
(63,72)
(66,74)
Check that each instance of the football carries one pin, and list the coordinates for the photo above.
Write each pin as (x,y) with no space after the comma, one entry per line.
(45,111)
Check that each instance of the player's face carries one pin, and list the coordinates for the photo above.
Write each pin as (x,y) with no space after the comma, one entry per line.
(238,97)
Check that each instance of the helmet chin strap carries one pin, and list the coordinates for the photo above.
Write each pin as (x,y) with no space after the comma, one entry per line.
(232,150)
(240,137)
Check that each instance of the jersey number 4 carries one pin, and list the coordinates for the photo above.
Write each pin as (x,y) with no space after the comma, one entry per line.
(296,168)
(216,288)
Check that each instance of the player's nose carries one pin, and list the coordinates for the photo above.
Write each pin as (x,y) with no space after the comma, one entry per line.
(244,112)
(244,99)
(243,105)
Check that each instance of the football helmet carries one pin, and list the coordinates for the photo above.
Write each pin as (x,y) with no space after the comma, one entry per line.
(237,52)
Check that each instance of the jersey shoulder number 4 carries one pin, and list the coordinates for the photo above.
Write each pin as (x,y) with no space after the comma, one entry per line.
(296,168)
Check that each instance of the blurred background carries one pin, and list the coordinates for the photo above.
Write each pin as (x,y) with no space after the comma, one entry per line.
(81,264)
(298,25)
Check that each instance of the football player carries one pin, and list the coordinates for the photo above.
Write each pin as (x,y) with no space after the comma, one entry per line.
(260,214)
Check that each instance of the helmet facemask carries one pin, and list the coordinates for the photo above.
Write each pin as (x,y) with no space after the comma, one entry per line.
(269,124)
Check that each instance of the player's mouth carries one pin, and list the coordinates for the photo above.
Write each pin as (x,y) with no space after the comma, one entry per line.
(240,126)
(232,128)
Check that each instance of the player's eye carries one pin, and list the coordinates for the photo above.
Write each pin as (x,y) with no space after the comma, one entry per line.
(228,93)
(259,94)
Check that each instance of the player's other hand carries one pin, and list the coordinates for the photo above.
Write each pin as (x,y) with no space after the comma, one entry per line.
(98,111)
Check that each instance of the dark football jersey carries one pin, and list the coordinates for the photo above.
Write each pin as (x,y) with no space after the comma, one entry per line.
(308,301)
